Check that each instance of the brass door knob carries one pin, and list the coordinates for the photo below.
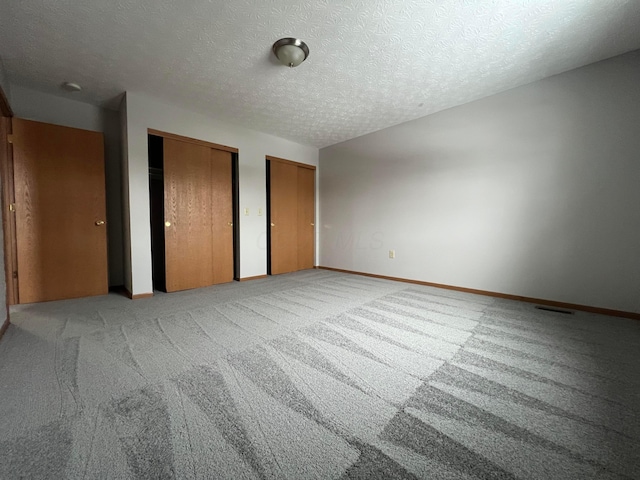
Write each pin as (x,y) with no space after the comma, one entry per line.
(273,224)
(99,223)
(313,224)
(230,224)
(167,224)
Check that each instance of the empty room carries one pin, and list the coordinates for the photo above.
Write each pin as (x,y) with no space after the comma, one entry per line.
(320,239)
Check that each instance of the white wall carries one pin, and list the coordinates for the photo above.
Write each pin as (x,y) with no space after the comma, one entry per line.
(42,107)
(532,192)
(124,188)
(144,112)
(4,82)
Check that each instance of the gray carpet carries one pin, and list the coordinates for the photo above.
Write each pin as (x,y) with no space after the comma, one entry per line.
(317,375)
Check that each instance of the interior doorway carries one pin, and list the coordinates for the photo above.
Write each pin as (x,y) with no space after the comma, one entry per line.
(290,216)
(59,211)
(156,205)
(193,199)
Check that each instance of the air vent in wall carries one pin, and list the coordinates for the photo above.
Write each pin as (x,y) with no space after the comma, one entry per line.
(555,310)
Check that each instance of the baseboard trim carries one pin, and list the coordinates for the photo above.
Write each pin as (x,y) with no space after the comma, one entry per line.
(540,301)
(137,296)
(141,295)
(257,277)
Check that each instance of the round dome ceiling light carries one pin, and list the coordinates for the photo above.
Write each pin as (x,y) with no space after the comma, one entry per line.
(71,87)
(291,51)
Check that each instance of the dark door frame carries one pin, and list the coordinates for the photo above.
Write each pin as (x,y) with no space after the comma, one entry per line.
(6,203)
(268,160)
(235,188)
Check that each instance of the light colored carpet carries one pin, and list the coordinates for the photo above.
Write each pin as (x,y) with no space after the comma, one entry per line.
(317,375)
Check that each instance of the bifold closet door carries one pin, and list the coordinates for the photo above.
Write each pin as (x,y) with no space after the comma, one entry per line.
(292,214)
(61,234)
(198,215)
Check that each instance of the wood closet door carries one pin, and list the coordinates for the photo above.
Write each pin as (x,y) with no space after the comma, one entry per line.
(306,218)
(283,189)
(187,215)
(198,215)
(222,216)
(61,233)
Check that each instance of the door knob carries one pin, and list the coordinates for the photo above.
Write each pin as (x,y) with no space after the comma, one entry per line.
(99,223)
(273,224)
(313,224)
(230,224)
(167,224)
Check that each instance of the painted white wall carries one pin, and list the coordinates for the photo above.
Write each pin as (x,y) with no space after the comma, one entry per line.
(126,217)
(144,112)
(532,192)
(43,107)
(4,82)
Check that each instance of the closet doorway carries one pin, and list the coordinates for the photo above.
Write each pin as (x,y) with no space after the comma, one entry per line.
(290,216)
(193,198)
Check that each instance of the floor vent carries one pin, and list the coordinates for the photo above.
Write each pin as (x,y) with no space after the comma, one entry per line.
(555,310)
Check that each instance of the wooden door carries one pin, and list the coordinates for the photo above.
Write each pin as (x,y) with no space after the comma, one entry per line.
(198,213)
(222,216)
(292,216)
(306,218)
(187,214)
(61,234)
(8,218)
(283,188)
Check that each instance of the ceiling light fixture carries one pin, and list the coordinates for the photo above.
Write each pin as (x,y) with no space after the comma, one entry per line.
(71,87)
(291,51)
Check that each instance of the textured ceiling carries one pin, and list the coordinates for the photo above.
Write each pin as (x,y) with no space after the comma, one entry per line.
(373,63)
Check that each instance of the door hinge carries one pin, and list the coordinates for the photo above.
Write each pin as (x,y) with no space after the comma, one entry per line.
(15,274)
(10,138)
(12,207)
